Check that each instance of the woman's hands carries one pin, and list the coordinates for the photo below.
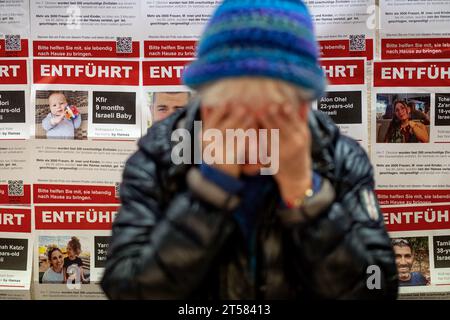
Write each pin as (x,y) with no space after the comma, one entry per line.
(294,175)
(223,118)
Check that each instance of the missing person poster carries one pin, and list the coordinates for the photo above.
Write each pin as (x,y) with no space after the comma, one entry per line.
(85,99)
(415,29)
(71,242)
(421,242)
(346,98)
(70,172)
(14,99)
(344,28)
(162,92)
(15,252)
(14,28)
(85,79)
(15,180)
(411,131)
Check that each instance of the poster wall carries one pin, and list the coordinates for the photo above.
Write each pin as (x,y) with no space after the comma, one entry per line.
(410,133)
(76,192)
(70,250)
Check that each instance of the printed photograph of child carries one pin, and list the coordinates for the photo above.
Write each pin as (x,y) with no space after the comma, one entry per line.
(61,115)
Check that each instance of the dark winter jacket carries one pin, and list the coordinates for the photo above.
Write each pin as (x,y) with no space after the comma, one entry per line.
(170,241)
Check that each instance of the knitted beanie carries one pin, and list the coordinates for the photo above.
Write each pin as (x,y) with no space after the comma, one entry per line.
(267,38)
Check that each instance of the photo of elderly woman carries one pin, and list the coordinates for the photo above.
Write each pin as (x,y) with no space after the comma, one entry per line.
(63,259)
(400,119)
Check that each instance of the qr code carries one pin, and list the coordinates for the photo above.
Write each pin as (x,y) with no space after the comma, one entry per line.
(15,188)
(124,45)
(117,190)
(12,43)
(357,42)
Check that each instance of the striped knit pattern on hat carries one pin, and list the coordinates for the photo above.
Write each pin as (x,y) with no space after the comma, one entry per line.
(268,38)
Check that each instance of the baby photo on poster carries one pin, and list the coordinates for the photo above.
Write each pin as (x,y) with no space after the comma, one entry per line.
(61,114)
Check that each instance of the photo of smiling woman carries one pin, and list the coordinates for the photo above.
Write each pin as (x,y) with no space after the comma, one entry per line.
(64,259)
(54,274)
(404,130)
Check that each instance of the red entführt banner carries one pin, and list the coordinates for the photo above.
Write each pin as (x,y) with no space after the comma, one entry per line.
(412,74)
(344,71)
(15,220)
(90,72)
(13,72)
(75,217)
(163,73)
(409,218)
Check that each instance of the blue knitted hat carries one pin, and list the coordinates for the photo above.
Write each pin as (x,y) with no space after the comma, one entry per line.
(269,38)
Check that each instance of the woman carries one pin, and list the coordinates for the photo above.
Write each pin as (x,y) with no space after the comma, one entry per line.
(54,274)
(402,129)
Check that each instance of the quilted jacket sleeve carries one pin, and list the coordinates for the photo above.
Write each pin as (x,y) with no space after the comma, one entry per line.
(160,253)
(332,253)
